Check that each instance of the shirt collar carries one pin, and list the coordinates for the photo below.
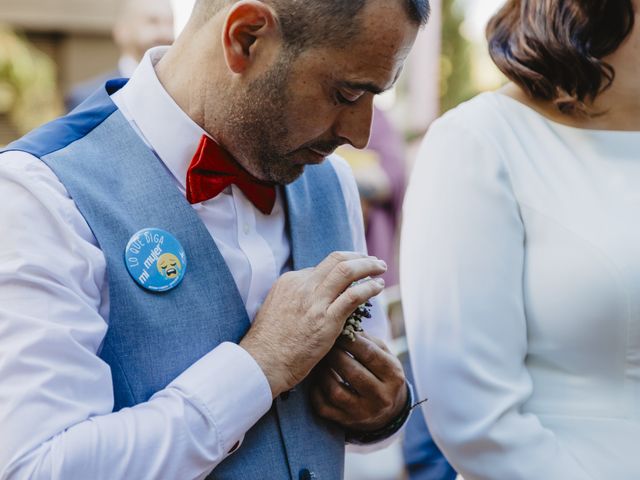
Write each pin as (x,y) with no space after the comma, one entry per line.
(165,126)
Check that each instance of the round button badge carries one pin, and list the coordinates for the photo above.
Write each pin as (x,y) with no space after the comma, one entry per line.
(155,259)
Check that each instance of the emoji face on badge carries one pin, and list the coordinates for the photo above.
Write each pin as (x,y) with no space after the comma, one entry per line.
(169,266)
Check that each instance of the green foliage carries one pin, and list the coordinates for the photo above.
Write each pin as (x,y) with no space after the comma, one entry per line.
(455,61)
(28,93)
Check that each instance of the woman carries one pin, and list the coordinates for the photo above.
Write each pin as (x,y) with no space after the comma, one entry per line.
(521,253)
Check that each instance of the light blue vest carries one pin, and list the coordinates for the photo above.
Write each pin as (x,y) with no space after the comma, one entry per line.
(120,187)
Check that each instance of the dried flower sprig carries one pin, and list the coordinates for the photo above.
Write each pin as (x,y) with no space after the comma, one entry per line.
(354,322)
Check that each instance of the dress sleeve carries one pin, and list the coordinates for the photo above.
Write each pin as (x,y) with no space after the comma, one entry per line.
(462,262)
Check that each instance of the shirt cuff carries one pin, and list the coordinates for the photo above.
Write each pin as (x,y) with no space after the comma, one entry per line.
(230,389)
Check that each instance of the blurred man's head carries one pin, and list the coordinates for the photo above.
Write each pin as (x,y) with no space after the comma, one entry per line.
(142,24)
(282,83)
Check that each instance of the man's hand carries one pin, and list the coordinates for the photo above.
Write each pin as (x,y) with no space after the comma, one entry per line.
(360,385)
(304,314)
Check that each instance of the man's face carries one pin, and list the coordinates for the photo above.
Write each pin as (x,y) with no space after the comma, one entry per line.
(306,106)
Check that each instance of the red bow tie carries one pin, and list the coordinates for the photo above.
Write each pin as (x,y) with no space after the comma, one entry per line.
(212,170)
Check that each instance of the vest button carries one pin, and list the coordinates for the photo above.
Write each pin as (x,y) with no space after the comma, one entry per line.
(305,474)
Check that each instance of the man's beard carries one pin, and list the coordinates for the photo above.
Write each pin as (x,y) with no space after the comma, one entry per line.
(257,125)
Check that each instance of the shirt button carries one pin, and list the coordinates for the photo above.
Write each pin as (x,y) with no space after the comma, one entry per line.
(246,229)
(305,474)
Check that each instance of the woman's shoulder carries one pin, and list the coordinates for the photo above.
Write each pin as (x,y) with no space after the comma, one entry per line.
(491,124)
(483,121)
(490,114)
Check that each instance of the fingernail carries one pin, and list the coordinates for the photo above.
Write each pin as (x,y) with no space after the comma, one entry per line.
(383,264)
(380,282)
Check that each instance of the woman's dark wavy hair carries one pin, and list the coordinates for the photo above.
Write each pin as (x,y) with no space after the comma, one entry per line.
(553,49)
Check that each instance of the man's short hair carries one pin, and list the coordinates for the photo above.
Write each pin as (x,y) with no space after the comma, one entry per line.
(306,23)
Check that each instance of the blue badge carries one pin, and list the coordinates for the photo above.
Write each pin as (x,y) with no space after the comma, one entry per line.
(155,260)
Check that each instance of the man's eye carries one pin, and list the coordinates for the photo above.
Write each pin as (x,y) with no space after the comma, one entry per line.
(340,98)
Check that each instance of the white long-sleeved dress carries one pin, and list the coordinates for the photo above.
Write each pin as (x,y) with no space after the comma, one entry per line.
(521,288)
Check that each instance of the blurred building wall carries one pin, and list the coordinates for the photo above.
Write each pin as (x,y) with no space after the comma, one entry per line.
(76,34)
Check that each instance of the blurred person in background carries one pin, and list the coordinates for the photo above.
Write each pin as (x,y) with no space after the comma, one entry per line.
(185,251)
(521,253)
(380,174)
(140,25)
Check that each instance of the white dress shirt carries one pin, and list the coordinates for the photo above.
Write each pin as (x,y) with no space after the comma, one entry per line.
(521,289)
(56,395)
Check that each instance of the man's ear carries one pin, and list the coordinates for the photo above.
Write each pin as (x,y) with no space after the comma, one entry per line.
(248,22)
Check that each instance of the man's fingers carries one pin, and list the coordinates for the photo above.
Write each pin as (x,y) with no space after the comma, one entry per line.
(345,273)
(338,394)
(341,269)
(372,357)
(377,341)
(350,370)
(325,404)
(334,258)
(354,296)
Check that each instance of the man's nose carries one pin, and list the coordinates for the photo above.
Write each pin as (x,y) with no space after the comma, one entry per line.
(354,123)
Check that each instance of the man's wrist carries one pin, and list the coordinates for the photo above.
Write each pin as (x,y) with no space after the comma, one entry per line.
(360,437)
(264,360)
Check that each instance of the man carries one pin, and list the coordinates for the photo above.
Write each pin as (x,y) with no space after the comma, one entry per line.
(147,328)
(140,25)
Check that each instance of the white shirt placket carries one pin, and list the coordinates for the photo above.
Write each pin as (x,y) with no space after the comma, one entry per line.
(257,251)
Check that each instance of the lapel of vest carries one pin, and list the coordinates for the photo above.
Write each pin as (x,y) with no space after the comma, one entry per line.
(317,216)
(318,225)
